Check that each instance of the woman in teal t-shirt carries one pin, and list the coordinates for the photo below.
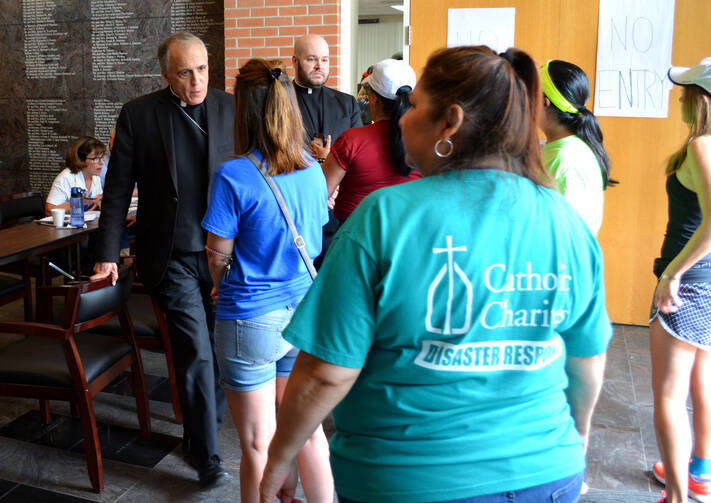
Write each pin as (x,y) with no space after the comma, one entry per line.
(573,154)
(458,323)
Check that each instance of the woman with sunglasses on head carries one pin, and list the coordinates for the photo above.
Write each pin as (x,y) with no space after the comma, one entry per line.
(573,154)
(680,324)
(459,319)
(84,161)
(258,274)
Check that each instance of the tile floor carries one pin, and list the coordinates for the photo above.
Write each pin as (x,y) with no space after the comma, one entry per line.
(622,444)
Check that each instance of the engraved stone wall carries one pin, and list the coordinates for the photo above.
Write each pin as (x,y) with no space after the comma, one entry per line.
(67,67)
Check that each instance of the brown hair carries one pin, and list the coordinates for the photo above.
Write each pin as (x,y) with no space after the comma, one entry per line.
(501,99)
(79,150)
(697,106)
(267,116)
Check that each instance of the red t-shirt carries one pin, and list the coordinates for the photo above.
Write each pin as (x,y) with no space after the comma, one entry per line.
(364,152)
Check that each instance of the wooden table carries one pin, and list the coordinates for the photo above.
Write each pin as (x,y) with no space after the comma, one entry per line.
(21,241)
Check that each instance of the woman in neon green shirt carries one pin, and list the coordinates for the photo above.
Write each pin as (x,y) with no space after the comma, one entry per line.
(573,154)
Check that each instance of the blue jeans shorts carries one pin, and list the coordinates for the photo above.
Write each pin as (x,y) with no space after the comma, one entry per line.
(252,352)
(565,490)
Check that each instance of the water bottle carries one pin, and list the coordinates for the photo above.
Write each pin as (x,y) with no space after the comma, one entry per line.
(76,207)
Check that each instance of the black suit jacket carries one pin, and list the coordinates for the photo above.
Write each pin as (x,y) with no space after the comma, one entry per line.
(341,112)
(144,153)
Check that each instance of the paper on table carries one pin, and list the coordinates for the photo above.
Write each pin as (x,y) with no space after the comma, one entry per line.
(88,217)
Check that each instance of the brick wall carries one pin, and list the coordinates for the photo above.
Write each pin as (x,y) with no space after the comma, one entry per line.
(268,28)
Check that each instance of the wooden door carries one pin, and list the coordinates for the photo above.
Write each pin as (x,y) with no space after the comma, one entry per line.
(635,210)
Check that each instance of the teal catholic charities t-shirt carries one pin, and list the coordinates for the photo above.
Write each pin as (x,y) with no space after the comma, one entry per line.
(459,295)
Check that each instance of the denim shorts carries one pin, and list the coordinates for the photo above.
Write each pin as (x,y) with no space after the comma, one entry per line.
(565,490)
(252,352)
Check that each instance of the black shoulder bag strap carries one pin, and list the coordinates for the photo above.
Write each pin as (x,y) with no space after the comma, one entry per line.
(298,240)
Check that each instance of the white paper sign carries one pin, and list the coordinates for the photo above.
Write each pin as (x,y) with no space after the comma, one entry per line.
(634,44)
(492,27)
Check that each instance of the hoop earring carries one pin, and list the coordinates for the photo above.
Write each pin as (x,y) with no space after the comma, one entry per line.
(448,153)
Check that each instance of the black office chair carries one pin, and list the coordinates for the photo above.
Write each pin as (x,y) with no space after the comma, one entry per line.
(151,333)
(20,207)
(58,362)
(15,209)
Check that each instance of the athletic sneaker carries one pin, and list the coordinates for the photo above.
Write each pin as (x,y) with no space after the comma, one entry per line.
(700,491)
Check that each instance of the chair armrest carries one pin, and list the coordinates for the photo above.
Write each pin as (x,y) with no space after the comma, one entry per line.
(34,328)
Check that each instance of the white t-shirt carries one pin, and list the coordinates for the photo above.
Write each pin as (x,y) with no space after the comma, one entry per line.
(62,187)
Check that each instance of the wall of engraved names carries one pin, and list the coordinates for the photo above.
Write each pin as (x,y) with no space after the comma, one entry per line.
(67,67)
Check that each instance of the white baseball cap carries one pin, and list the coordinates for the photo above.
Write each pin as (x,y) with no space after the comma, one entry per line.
(388,76)
(699,75)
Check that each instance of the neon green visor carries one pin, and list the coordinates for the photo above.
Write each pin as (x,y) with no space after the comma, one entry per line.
(552,92)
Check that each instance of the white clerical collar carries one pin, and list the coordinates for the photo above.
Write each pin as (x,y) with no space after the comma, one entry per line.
(182,103)
(309,90)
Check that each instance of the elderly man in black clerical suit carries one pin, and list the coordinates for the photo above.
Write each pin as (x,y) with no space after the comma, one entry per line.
(326,112)
(170,142)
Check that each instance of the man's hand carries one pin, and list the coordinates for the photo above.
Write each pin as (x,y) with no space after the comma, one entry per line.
(103,269)
(318,149)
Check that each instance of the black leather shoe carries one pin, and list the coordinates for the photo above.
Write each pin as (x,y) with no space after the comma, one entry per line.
(213,476)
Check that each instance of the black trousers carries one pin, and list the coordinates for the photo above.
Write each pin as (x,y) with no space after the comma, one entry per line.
(184,296)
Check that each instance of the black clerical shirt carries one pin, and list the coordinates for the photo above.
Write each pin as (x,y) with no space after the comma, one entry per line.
(311,103)
(191,152)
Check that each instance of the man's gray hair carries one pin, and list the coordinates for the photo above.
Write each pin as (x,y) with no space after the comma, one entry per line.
(180,37)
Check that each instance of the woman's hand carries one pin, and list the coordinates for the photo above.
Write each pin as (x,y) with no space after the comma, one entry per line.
(214,294)
(666,295)
(332,199)
(93,203)
(279,481)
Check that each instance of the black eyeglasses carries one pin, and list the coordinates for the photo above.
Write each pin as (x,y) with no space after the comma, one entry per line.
(97,158)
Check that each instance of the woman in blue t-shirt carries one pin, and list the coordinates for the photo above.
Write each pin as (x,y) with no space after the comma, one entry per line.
(458,323)
(258,275)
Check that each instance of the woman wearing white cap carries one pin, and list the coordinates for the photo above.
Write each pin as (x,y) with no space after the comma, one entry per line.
(680,324)
(368,158)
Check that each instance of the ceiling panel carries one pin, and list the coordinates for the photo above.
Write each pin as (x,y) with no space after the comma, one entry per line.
(378,7)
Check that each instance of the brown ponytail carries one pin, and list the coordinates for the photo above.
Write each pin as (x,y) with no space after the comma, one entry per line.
(501,99)
(267,116)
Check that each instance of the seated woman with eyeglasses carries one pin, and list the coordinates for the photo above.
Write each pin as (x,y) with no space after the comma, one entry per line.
(85,159)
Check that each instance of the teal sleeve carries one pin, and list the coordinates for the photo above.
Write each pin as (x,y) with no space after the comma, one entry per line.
(589,330)
(336,319)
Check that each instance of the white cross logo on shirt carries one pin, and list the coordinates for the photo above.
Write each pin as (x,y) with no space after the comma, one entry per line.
(449,269)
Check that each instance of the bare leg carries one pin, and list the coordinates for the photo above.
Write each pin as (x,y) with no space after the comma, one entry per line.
(314,467)
(700,379)
(254,415)
(672,361)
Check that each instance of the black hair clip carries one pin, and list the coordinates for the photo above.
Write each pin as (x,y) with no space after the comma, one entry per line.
(274,73)
(506,56)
